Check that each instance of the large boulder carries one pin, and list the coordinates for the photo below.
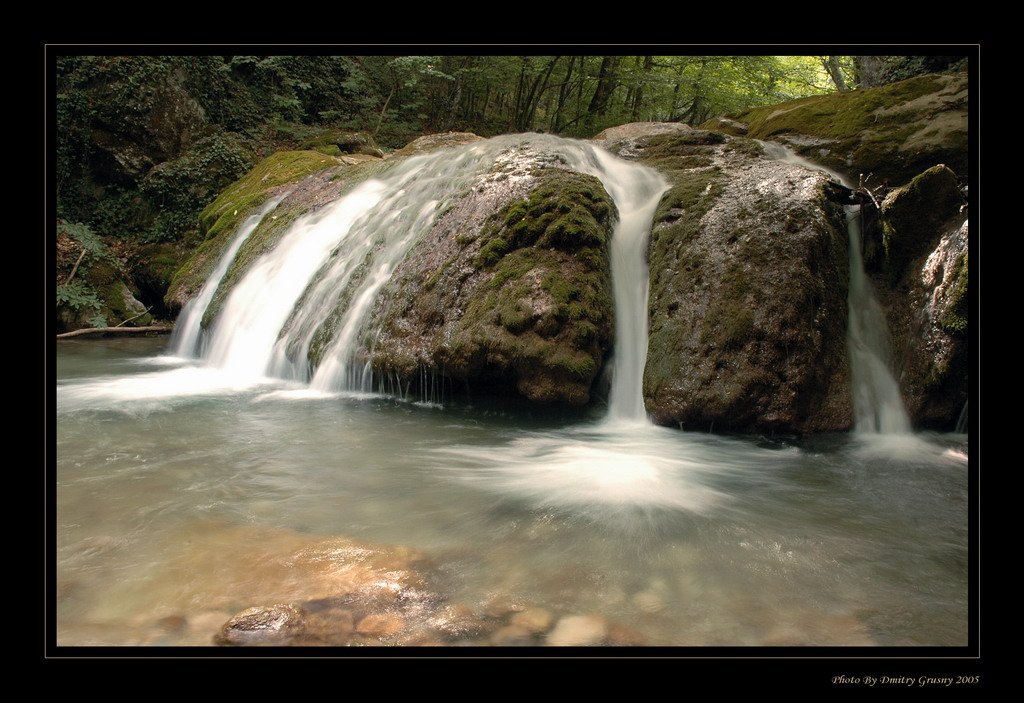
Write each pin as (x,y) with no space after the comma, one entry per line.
(510,289)
(913,215)
(893,131)
(928,315)
(748,290)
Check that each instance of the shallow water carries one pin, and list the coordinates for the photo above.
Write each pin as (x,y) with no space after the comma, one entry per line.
(167,472)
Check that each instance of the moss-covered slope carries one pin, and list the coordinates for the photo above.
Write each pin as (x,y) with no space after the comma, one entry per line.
(894,131)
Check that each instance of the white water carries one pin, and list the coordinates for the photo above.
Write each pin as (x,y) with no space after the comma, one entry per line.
(878,405)
(318,285)
(185,340)
(636,192)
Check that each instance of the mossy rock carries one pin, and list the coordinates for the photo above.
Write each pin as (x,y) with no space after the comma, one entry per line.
(335,143)
(508,294)
(153,267)
(220,219)
(913,216)
(893,131)
(747,298)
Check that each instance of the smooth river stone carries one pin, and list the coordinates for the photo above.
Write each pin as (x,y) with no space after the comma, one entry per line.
(275,624)
(536,620)
(380,625)
(579,631)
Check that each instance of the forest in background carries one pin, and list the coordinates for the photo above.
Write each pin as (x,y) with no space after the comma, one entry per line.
(143,143)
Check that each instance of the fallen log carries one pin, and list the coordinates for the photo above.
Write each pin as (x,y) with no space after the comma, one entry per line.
(151,329)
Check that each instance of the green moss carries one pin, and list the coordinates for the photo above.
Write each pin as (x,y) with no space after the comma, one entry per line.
(744,145)
(729,323)
(954,320)
(247,193)
(567,211)
(874,130)
(837,115)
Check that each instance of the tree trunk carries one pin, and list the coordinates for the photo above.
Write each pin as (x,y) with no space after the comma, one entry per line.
(831,65)
(540,84)
(868,70)
(152,329)
(605,85)
(563,93)
(638,95)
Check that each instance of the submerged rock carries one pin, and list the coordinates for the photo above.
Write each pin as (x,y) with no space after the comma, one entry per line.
(381,625)
(579,631)
(748,287)
(276,624)
(535,620)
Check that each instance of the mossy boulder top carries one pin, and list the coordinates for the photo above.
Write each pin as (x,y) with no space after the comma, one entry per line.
(894,131)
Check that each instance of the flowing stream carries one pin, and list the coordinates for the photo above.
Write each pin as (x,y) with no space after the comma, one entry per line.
(178,474)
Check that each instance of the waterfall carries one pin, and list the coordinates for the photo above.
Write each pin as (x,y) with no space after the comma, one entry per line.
(962,420)
(878,405)
(311,295)
(185,341)
(636,191)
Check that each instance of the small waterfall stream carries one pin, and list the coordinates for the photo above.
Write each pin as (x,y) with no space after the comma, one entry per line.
(878,405)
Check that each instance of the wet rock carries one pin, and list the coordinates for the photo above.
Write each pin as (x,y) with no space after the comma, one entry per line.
(579,631)
(434,142)
(173,623)
(501,606)
(458,621)
(748,294)
(632,130)
(512,636)
(928,320)
(509,292)
(913,216)
(620,635)
(381,625)
(535,620)
(220,219)
(266,625)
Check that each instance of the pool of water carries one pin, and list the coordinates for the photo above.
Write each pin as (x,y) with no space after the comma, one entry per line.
(174,481)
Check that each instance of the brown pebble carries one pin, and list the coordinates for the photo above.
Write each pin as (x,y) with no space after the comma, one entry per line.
(536,620)
(172,623)
(624,636)
(380,625)
(511,636)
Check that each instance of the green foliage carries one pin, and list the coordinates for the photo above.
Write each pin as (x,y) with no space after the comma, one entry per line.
(898,68)
(98,321)
(77,295)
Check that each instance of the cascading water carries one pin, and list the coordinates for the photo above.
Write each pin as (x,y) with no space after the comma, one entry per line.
(636,192)
(185,341)
(878,405)
(316,288)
